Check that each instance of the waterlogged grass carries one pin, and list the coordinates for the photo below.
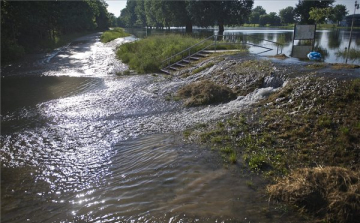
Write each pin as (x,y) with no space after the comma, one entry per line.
(198,70)
(315,125)
(353,54)
(338,66)
(205,93)
(316,65)
(115,33)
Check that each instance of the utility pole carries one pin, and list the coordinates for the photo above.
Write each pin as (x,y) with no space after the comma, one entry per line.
(352,24)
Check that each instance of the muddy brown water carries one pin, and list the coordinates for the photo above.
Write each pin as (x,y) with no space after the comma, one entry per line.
(80,144)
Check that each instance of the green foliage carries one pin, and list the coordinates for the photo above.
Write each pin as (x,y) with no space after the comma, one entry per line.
(233,158)
(287,15)
(338,13)
(162,13)
(29,26)
(146,55)
(209,13)
(269,19)
(303,9)
(257,162)
(115,33)
(319,15)
(254,17)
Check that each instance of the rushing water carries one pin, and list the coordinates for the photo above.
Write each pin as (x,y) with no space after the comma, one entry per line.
(80,144)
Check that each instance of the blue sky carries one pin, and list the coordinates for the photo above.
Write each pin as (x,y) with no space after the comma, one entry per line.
(115,6)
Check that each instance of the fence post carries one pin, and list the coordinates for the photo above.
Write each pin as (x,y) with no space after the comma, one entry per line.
(215,42)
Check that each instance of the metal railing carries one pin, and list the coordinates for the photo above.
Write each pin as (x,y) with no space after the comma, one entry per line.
(167,61)
(234,39)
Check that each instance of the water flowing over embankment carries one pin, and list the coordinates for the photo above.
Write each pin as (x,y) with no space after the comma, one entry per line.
(82,144)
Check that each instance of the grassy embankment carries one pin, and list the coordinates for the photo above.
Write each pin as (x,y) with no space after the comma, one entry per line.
(115,33)
(146,55)
(305,138)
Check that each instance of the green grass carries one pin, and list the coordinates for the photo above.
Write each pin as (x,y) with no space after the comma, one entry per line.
(146,55)
(115,33)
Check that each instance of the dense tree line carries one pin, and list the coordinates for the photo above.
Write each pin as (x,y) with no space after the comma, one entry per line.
(305,12)
(163,13)
(204,13)
(27,25)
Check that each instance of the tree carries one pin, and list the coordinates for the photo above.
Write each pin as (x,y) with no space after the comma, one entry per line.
(113,20)
(260,10)
(30,25)
(287,15)
(271,19)
(180,14)
(303,8)
(208,13)
(338,13)
(255,14)
(161,13)
(319,15)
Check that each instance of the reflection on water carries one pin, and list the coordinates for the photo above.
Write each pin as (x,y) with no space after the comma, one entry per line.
(30,91)
(153,178)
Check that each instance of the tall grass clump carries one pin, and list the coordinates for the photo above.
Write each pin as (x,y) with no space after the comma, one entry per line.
(146,55)
(353,54)
(115,33)
(205,93)
(331,193)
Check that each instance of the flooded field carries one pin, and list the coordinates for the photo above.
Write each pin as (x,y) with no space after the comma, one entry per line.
(328,42)
(80,144)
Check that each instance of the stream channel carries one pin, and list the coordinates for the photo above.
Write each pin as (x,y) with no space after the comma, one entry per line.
(80,144)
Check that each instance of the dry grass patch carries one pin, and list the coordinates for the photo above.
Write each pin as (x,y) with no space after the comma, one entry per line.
(330,193)
(338,66)
(279,56)
(316,66)
(204,93)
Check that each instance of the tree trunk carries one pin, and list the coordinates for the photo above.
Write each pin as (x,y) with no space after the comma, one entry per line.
(188,27)
(221,29)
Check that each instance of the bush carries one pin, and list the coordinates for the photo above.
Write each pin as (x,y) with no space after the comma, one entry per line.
(115,33)
(204,93)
